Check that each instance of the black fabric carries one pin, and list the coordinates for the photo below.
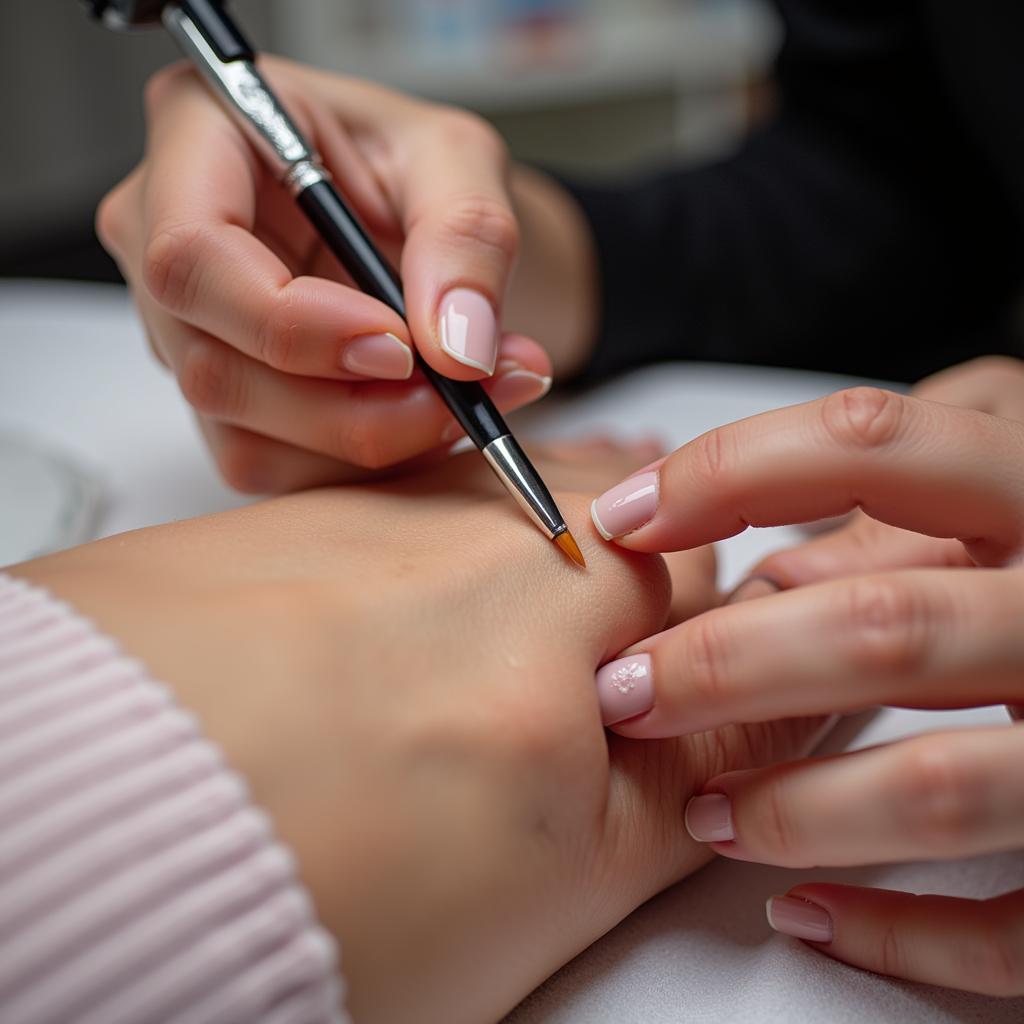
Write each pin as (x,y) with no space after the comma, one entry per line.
(874,227)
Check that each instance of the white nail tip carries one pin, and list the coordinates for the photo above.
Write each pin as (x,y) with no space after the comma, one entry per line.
(545,382)
(686,825)
(466,361)
(597,521)
(410,363)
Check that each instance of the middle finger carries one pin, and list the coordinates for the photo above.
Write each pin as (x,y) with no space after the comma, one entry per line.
(922,638)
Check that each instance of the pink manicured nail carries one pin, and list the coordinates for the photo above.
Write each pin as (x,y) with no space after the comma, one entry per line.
(625,688)
(519,387)
(378,355)
(799,918)
(469,329)
(627,506)
(708,818)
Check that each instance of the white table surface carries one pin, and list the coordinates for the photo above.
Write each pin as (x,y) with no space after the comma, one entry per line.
(75,372)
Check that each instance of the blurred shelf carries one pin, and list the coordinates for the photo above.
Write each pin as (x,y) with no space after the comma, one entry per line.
(701,46)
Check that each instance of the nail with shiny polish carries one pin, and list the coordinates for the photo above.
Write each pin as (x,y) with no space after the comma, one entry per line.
(799,918)
(519,387)
(625,688)
(378,355)
(469,329)
(627,506)
(708,818)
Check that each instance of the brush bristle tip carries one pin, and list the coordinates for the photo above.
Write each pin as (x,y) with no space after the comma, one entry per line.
(567,543)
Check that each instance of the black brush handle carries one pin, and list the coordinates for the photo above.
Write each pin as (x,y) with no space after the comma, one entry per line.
(344,235)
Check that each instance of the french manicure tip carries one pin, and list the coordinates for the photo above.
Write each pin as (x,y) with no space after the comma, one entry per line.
(799,918)
(708,818)
(597,521)
(461,357)
(381,356)
(469,329)
(627,506)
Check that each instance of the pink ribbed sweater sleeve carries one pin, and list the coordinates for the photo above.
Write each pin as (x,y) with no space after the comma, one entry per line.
(137,882)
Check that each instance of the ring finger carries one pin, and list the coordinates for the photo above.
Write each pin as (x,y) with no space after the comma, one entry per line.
(934,797)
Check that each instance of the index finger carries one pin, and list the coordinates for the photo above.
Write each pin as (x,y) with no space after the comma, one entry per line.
(201,261)
(922,466)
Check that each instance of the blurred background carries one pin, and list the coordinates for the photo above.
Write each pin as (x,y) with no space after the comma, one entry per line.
(586,86)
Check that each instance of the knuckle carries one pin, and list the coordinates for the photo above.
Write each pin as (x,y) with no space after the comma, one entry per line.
(891,952)
(482,222)
(995,365)
(889,625)
(938,796)
(278,342)
(208,379)
(170,265)
(464,130)
(711,459)
(777,829)
(707,669)
(242,466)
(358,438)
(157,86)
(863,418)
(997,959)
(109,222)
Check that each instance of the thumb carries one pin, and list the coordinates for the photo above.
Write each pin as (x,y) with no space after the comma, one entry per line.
(461,242)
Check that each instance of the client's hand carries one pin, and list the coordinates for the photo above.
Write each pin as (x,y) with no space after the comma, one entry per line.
(405,674)
(930,618)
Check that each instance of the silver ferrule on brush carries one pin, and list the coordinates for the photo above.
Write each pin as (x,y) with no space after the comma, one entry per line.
(252,102)
(523,482)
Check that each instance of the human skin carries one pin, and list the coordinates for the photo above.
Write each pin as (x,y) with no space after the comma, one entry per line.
(297,378)
(404,674)
(917,602)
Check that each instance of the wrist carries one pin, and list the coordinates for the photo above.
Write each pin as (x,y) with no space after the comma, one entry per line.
(553,294)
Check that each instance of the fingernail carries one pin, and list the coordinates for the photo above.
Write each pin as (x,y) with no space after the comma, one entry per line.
(469,329)
(627,506)
(753,587)
(625,688)
(519,387)
(708,818)
(378,355)
(799,918)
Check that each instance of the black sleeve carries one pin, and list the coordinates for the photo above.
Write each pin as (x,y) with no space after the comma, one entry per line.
(858,232)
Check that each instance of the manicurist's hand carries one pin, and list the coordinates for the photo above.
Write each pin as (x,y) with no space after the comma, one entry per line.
(930,618)
(298,378)
(408,686)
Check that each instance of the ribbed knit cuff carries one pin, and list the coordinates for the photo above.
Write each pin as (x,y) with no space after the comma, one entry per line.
(137,882)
